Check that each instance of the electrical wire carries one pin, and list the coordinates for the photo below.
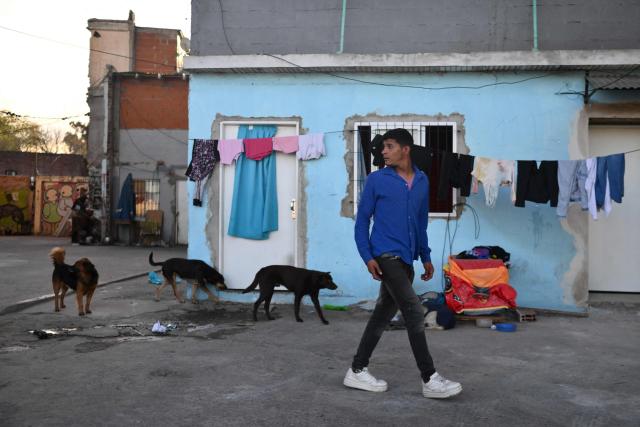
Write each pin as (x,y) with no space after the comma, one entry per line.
(80,47)
(449,238)
(147,121)
(22,116)
(311,69)
(126,131)
(224,29)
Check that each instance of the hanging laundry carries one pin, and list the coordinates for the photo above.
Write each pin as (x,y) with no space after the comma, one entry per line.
(229,150)
(254,208)
(216,155)
(494,173)
(421,158)
(455,171)
(203,161)
(258,148)
(572,175)
(127,203)
(286,144)
(311,146)
(611,169)
(537,184)
(376,151)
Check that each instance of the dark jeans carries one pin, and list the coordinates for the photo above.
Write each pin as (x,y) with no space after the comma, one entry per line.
(396,292)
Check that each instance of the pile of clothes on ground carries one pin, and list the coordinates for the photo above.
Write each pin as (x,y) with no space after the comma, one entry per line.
(476,283)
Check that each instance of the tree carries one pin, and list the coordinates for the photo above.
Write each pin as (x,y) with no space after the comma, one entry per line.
(76,140)
(20,134)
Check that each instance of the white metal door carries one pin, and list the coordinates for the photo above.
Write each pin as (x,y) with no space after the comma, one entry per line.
(613,241)
(182,213)
(240,258)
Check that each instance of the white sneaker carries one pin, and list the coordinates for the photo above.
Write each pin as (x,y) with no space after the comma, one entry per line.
(363,380)
(439,387)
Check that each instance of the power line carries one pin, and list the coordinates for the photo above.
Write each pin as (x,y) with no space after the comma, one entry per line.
(311,69)
(80,47)
(151,124)
(224,30)
(22,116)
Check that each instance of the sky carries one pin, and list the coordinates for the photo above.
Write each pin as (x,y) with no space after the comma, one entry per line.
(47,79)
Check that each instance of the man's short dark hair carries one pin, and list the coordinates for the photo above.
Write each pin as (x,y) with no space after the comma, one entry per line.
(401,136)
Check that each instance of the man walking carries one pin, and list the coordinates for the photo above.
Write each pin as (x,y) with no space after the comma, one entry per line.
(398,199)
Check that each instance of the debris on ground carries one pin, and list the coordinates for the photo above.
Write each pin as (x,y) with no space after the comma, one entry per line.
(159,328)
(46,333)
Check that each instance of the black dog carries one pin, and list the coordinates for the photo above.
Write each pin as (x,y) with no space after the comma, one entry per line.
(191,270)
(298,280)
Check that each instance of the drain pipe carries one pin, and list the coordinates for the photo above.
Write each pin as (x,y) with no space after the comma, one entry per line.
(535,25)
(344,14)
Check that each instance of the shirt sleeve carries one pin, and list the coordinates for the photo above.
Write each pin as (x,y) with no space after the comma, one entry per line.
(425,251)
(366,208)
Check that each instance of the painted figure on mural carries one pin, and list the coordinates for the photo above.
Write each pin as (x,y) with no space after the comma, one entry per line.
(50,215)
(65,203)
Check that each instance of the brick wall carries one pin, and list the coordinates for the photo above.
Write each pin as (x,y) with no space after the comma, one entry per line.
(155,51)
(46,164)
(149,103)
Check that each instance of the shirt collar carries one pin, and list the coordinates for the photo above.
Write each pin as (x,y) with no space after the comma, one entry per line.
(392,172)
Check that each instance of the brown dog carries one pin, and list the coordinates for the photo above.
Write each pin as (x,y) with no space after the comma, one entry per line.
(82,277)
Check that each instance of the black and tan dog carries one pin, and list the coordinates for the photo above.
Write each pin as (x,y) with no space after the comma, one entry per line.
(82,277)
(191,270)
(300,281)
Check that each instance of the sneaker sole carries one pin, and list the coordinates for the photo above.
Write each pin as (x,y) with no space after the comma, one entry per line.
(352,384)
(444,395)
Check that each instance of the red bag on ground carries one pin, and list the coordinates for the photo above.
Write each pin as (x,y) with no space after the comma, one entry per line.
(478,286)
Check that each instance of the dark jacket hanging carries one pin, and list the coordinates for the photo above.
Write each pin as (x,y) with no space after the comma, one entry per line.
(455,171)
(537,184)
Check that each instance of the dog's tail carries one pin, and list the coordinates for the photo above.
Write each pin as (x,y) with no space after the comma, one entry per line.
(253,284)
(151,260)
(57,255)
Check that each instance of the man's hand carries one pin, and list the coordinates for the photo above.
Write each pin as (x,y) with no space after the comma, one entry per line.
(428,271)
(374,269)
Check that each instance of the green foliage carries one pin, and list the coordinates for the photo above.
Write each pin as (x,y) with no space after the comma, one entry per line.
(19,134)
(76,140)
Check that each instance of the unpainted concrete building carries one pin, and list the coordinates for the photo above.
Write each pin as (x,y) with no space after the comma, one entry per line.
(138,120)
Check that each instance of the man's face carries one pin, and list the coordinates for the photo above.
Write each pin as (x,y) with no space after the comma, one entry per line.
(393,153)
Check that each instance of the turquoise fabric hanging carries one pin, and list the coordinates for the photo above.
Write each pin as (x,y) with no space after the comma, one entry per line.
(254,208)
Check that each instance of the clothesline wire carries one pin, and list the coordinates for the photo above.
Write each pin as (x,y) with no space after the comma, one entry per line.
(361,152)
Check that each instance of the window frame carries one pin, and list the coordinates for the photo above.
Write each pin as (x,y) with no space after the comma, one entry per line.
(140,216)
(413,126)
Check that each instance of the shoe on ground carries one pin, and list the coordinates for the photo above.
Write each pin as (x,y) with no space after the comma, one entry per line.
(439,387)
(363,380)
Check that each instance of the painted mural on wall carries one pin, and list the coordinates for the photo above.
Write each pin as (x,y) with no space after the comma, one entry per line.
(54,200)
(16,201)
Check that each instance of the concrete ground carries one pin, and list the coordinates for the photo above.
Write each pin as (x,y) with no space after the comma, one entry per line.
(25,267)
(218,367)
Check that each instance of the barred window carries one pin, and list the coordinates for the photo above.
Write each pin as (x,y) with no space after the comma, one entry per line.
(147,193)
(438,137)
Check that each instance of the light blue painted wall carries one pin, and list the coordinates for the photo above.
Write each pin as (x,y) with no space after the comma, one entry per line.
(521,121)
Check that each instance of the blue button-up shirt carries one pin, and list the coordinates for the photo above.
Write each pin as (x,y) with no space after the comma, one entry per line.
(400,216)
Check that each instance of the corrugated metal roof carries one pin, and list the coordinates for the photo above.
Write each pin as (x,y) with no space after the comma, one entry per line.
(614,80)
